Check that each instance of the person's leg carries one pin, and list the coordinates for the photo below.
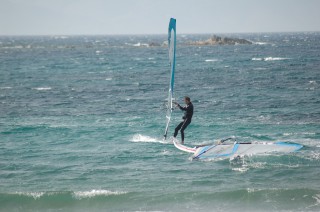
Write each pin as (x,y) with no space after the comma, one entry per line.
(177,129)
(183,127)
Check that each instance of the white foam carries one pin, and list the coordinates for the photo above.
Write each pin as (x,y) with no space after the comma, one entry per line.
(260,68)
(302,133)
(141,44)
(165,152)
(275,58)
(316,197)
(260,43)
(94,193)
(146,139)
(109,78)
(5,88)
(211,60)
(42,88)
(242,169)
(60,37)
(270,58)
(252,190)
(34,195)
(12,47)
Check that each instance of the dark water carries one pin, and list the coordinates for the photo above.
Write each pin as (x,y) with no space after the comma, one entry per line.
(82,119)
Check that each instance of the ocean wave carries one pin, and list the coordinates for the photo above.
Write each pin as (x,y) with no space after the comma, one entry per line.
(34,195)
(269,58)
(147,139)
(242,199)
(77,195)
(94,193)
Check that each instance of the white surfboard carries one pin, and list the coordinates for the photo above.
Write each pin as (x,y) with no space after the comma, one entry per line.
(183,147)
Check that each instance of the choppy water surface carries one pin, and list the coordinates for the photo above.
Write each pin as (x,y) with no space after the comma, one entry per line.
(82,119)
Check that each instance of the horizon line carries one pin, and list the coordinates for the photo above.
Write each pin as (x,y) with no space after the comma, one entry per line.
(143,34)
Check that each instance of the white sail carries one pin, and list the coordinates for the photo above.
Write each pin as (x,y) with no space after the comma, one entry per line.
(172,60)
(244,149)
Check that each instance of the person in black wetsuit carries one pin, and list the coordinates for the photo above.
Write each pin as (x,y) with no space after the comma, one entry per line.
(186,118)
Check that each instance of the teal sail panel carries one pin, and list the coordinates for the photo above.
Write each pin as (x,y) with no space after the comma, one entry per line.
(172,60)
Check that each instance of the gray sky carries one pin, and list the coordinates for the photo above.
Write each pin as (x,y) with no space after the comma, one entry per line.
(46,17)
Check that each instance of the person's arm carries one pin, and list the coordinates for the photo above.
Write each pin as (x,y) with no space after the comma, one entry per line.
(183,108)
(179,106)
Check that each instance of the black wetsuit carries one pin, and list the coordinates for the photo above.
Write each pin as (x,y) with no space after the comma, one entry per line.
(186,120)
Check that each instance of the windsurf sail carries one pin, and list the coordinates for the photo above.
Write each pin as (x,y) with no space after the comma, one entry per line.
(244,149)
(172,60)
(238,149)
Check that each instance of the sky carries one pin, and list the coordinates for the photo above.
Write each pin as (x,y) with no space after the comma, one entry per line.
(86,17)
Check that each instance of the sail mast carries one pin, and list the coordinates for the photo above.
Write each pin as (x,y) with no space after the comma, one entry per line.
(172,60)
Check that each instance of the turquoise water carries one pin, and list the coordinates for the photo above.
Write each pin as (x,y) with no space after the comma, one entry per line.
(82,119)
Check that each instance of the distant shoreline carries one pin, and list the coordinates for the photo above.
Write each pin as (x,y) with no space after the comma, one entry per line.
(155,34)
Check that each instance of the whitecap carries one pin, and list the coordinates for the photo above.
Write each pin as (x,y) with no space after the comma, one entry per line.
(211,60)
(42,88)
(260,68)
(140,45)
(60,37)
(94,193)
(242,169)
(275,58)
(34,195)
(165,152)
(260,43)
(2,88)
(270,58)
(298,133)
(108,79)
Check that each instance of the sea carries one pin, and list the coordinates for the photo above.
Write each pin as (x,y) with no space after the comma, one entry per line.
(82,120)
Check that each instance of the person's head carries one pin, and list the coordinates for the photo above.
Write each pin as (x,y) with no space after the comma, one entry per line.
(187,99)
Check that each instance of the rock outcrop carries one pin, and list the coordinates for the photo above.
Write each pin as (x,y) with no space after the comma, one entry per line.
(217,40)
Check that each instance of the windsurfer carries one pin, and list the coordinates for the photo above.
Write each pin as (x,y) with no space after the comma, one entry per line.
(186,118)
